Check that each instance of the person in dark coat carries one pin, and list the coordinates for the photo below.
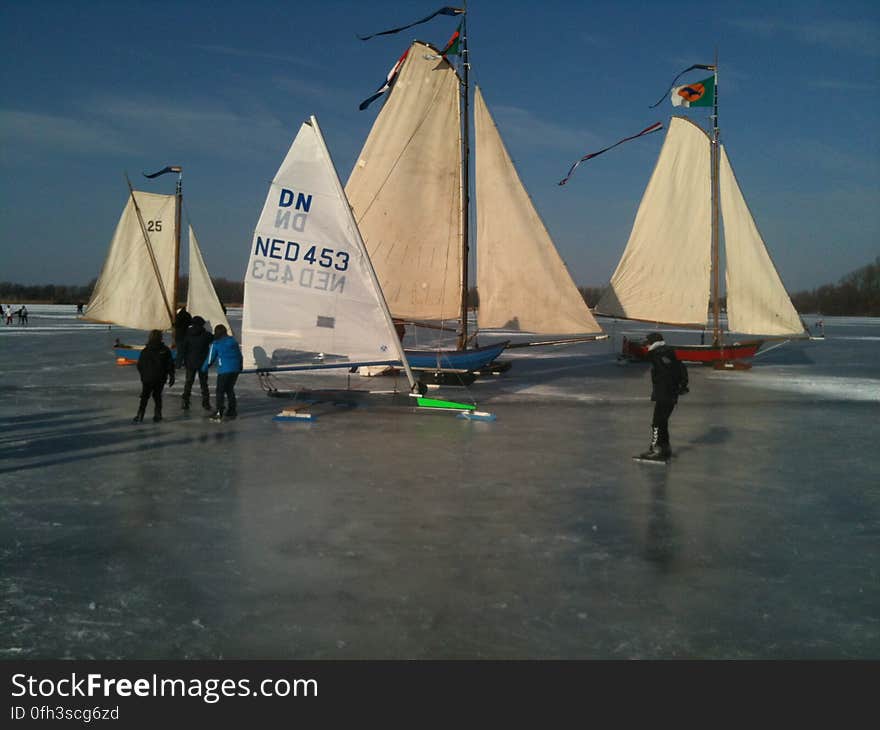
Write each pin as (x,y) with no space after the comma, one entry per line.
(192,353)
(227,354)
(669,379)
(182,321)
(155,366)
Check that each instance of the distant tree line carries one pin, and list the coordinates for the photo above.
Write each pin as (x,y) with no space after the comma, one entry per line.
(231,293)
(857,294)
(49,293)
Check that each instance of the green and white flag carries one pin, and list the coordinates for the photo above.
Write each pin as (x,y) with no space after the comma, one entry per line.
(700,93)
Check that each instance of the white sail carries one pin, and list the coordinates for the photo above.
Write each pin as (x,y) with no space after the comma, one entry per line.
(201,298)
(664,273)
(311,297)
(522,281)
(757,302)
(405,190)
(135,288)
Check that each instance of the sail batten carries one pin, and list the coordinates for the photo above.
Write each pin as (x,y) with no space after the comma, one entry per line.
(311,296)
(522,280)
(663,275)
(757,302)
(128,292)
(405,190)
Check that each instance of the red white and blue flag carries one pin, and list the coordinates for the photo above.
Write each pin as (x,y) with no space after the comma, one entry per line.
(389,80)
(656,127)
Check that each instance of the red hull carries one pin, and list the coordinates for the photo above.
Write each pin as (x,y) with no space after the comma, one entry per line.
(700,354)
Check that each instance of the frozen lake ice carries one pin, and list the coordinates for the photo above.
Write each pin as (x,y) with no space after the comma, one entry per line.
(376,532)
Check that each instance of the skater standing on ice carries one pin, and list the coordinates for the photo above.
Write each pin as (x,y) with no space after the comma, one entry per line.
(192,352)
(227,354)
(22,315)
(155,366)
(669,379)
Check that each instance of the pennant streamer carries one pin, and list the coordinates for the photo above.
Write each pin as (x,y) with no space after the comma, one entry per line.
(171,168)
(392,74)
(696,65)
(656,127)
(442,11)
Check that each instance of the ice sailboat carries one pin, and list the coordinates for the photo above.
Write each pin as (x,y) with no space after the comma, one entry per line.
(311,297)
(409,193)
(670,270)
(139,283)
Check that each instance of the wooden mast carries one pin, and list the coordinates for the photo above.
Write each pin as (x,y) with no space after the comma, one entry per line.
(176,284)
(465,190)
(716,256)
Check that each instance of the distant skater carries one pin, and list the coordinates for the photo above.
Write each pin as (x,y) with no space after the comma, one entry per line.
(182,321)
(192,353)
(669,379)
(9,314)
(227,354)
(22,316)
(155,366)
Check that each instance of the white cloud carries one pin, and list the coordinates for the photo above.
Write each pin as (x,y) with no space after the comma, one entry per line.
(860,37)
(59,133)
(247,53)
(521,125)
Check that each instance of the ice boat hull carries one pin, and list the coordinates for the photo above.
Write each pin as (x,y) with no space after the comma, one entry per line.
(698,354)
(464,360)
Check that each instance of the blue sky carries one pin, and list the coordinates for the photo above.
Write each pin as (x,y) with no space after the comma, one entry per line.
(94,89)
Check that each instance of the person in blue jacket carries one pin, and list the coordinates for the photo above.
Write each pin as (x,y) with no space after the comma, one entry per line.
(227,354)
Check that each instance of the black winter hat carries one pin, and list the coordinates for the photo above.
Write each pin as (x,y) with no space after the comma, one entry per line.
(654,337)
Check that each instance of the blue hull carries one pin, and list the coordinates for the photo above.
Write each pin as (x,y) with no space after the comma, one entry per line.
(468,360)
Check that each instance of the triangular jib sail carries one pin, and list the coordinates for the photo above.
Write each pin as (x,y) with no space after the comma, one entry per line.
(128,291)
(523,282)
(201,297)
(311,298)
(757,302)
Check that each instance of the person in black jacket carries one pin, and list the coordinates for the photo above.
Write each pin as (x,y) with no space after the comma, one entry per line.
(182,321)
(192,353)
(669,379)
(155,366)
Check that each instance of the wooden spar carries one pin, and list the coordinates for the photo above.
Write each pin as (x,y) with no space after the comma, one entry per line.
(150,252)
(176,285)
(465,184)
(716,257)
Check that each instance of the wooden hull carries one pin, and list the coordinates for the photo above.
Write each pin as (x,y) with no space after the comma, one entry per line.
(698,354)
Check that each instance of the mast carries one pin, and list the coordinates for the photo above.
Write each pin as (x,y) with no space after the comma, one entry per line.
(178,204)
(715,161)
(465,178)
